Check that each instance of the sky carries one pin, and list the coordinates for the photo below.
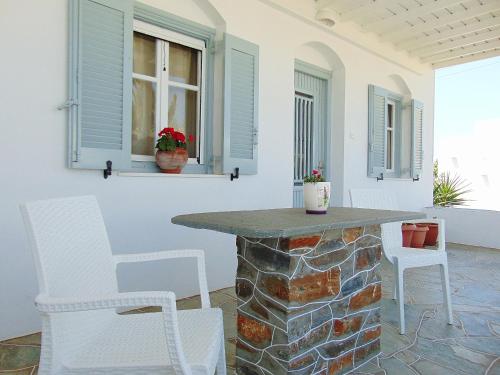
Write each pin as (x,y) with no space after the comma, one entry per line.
(466,94)
(467,128)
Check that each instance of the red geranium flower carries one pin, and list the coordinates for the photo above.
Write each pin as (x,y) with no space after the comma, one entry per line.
(315,171)
(179,137)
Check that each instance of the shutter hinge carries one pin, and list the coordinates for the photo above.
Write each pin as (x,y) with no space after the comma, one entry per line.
(67,104)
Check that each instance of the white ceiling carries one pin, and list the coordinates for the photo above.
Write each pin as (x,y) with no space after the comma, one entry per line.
(439,32)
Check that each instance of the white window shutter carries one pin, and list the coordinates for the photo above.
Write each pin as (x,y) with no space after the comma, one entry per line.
(377,117)
(100,83)
(241,90)
(417,154)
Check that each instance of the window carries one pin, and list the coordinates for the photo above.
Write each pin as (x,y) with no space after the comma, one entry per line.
(395,142)
(385,133)
(168,89)
(134,69)
(390,135)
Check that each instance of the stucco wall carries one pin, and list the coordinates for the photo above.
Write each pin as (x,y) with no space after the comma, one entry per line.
(469,226)
(137,210)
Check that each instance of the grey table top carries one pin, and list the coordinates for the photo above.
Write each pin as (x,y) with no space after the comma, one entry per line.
(286,222)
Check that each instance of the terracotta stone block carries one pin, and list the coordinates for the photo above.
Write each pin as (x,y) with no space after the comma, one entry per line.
(293,243)
(371,334)
(244,289)
(276,286)
(347,325)
(367,296)
(340,364)
(352,234)
(302,362)
(254,331)
(315,286)
(259,310)
(366,258)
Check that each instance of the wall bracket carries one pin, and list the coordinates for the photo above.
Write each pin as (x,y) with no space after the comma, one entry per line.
(236,174)
(109,169)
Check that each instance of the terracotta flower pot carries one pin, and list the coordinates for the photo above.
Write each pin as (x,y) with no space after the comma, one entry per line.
(419,236)
(432,234)
(172,161)
(407,230)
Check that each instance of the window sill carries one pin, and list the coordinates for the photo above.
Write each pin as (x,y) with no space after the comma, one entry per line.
(170,175)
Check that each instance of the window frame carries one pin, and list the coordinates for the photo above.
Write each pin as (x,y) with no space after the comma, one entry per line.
(163,83)
(168,21)
(397,101)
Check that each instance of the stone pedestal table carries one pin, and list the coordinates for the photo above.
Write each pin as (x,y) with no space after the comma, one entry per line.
(308,286)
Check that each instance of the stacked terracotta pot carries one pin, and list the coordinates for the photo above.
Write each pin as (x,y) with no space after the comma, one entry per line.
(419,235)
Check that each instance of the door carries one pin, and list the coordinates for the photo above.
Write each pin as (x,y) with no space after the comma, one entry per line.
(310,129)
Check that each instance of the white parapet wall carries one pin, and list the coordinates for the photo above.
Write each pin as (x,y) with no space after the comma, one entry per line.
(469,226)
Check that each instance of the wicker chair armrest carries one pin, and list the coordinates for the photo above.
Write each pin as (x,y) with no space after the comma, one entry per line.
(173,254)
(47,304)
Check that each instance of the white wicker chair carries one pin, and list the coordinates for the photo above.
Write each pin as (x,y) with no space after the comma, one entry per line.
(81,332)
(403,257)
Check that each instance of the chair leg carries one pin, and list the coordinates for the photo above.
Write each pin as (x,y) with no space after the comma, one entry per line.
(399,285)
(446,290)
(394,288)
(221,363)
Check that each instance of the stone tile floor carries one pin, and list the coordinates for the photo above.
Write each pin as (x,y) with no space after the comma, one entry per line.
(471,346)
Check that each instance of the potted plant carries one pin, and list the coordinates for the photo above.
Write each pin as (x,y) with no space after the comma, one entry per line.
(171,154)
(419,235)
(407,230)
(316,193)
(432,234)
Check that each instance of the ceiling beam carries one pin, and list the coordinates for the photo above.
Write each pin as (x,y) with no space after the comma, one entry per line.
(466,59)
(368,7)
(460,52)
(455,43)
(387,24)
(431,25)
(419,41)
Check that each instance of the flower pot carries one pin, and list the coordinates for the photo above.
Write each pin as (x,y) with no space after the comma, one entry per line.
(419,235)
(172,161)
(407,231)
(316,197)
(432,234)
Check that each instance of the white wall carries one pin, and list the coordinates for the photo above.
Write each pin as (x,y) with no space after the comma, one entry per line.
(476,227)
(137,210)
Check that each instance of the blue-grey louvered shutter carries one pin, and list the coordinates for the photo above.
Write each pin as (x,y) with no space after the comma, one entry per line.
(377,117)
(100,83)
(241,91)
(417,153)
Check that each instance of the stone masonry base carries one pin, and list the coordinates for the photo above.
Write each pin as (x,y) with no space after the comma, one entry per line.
(308,304)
